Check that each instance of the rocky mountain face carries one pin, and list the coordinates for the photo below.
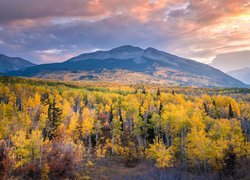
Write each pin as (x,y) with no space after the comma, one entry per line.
(8,64)
(130,64)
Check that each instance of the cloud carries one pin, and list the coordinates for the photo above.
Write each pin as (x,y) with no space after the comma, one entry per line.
(50,51)
(51,58)
(13,10)
(188,28)
(234,60)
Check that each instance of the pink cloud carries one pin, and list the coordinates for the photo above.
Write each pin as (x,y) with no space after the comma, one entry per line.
(189,28)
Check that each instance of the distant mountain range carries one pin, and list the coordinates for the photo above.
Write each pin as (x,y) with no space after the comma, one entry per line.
(8,64)
(131,64)
(241,74)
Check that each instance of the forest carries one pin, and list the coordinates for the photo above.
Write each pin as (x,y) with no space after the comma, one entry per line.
(97,130)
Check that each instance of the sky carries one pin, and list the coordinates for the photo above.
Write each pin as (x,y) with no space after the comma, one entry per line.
(45,31)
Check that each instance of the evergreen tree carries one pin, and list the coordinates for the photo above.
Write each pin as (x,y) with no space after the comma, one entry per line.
(54,120)
(150,131)
(229,164)
(120,114)
(214,103)
(158,92)
(230,111)
(160,108)
(111,115)
(205,108)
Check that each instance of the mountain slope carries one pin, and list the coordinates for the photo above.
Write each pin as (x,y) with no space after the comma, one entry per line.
(241,74)
(134,65)
(8,64)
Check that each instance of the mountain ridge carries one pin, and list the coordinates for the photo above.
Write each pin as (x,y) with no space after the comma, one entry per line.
(242,74)
(135,65)
(8,64)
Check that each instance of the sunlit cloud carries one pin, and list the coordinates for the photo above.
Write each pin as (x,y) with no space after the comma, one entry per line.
(50,51)
(193,29)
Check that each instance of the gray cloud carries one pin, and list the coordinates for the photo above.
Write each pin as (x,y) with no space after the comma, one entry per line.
(11,10)
(234,61)
(189,28)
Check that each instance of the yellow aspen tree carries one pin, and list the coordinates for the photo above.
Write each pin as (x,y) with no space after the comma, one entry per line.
(72,128)
(19,149)
(87,124)
(158,152)
(198,147)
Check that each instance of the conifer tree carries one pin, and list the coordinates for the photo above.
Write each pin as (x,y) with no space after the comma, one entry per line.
(54,120)
(230,111)
(158,92)
(143,90)
(229,164)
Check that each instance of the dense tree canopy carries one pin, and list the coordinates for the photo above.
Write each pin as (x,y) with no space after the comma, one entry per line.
(58,129)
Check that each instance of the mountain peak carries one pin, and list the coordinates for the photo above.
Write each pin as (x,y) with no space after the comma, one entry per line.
(122,52)
(151,49)
(127,48)
(8,64)
(2,55)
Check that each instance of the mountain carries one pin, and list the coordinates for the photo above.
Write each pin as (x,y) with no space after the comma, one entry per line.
(130,64)
(8,64)
(241,74)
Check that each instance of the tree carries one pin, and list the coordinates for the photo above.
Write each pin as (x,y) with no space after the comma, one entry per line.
(20,151)
(229,162)
(158,92)
(72,126)
(143,90)
(158,152)
(230,111)
(26,148)
(45,172)
(54,120)
(5,161)
(63,158)
(198,148)
(87,124)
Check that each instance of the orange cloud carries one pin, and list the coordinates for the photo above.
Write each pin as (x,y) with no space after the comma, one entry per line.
(197,29)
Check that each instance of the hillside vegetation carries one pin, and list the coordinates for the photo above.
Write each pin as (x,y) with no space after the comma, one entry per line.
(51,130)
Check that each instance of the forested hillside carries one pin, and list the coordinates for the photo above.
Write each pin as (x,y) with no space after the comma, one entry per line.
(51,129)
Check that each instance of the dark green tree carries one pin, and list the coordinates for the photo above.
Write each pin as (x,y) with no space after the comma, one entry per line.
(230,111)
(111,116)
(205,108)
(54,120)
(229,163)
(158,92)
(160,108)
(143,90)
